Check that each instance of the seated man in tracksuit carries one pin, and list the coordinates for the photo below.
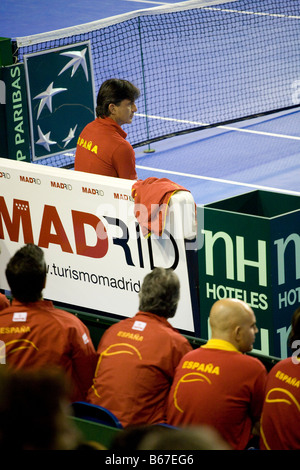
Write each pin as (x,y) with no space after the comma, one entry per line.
(138,356)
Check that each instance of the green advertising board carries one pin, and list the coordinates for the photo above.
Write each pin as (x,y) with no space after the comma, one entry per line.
(6,57)
(61,99)
(14,126)
(251,251)
(15,137)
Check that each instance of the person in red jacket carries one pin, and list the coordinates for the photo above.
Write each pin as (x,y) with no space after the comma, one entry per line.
(217,384)
(102,147)
(279,426)
(138,356)
(34,334)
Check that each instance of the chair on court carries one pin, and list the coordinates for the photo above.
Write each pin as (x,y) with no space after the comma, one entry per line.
(95,413)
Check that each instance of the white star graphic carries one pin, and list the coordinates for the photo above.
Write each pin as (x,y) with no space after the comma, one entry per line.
(70,136)
(78,58)
(46,97)
(44,139)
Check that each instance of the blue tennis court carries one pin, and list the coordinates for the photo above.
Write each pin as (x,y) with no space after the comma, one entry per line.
(263,153)
(260,153)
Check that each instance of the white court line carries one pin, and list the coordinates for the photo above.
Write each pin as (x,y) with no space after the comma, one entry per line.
(226,10)
(220,180)
(257,13)
(147,1)
(230,128)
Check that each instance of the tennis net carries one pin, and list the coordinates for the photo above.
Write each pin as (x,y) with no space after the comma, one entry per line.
(197,63)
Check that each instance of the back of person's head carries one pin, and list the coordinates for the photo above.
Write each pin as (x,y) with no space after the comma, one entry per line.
(129,438)
(114,90)
(157,437)
(295,330)
(34,413)
(188,438)
(160,292)
(26,273)
(233,320)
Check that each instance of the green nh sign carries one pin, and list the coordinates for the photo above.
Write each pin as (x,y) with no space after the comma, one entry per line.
(251,251)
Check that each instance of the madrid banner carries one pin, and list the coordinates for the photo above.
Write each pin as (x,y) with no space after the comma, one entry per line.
(95,253)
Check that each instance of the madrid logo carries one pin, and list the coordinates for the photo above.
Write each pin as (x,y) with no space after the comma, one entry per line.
(61,99)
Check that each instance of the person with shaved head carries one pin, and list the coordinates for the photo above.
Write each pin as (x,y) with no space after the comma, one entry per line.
(218,384)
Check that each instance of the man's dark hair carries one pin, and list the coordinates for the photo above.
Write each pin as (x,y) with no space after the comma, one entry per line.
(26,273)
(31,402)
(159,293)
(114,91)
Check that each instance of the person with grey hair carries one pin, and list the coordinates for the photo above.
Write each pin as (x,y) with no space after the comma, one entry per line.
(102,147)
(138,356)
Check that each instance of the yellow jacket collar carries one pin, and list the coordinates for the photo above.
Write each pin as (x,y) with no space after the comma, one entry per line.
(220,344)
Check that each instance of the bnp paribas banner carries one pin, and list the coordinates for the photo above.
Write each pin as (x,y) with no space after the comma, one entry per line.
(61,98)
(251,251)
(96,254)
(14,126)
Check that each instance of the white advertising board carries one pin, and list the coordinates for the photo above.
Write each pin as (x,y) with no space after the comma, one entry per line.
(94,250)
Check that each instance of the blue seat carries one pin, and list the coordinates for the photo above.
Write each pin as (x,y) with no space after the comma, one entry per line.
(95,413)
